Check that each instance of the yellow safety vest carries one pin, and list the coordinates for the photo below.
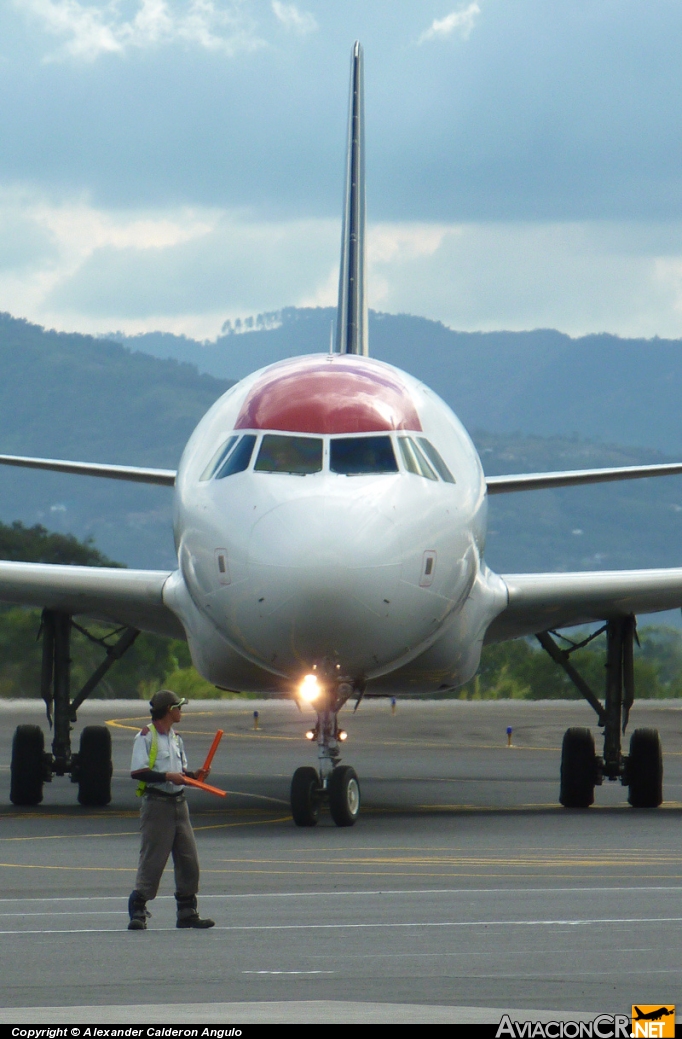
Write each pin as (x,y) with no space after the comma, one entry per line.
(141,787)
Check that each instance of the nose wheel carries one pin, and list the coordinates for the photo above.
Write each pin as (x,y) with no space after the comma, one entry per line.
(343,789)
(305,796)
(341,794)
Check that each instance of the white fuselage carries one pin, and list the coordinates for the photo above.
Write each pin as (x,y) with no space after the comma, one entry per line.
(380,572)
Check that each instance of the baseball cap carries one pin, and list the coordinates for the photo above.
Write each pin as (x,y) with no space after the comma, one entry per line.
(165,698)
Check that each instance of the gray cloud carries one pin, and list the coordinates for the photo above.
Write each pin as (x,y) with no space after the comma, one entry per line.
(565,111)
(542,154)
(24,243)
(579,277)
(235,267)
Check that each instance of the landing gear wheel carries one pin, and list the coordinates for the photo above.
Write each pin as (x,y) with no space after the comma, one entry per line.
(344,795)
(304,796)
(578,769)
(27,771)
(94,766)
(645,769)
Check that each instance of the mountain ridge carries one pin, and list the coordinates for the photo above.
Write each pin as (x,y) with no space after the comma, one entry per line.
(540,382)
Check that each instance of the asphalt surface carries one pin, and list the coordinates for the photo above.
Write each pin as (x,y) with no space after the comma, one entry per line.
(463,890)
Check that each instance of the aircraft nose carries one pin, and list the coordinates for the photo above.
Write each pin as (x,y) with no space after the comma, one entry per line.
(321,569)
(324,532)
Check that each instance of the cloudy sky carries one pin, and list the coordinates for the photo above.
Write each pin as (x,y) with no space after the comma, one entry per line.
(173,163)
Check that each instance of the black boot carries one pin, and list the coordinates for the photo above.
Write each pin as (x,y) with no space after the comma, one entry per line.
(138,912)
(188,914)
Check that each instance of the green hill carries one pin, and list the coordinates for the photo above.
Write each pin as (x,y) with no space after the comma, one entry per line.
(38,545)
(74,396)
(636,523)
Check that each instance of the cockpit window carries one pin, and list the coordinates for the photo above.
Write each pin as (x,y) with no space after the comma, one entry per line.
(436,460)
(239,459)
(218,458)
(296,455)
(414,460)
(352,456)
(426,468)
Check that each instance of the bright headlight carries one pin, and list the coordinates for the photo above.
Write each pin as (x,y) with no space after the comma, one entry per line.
(309,688)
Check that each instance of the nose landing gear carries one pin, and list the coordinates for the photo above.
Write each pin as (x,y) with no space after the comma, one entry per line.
(331,784)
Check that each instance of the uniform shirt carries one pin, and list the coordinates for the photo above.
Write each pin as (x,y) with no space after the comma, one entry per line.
(170,756)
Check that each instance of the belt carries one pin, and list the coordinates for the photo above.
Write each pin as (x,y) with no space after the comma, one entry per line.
(164,794)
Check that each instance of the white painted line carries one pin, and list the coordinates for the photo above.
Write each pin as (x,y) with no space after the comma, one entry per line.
(73,912)
(401,892)
(84,930)
(74,898)
(384,926)
(288,972)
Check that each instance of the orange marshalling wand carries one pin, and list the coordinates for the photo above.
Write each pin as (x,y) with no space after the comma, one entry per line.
(205,768)
(204,786)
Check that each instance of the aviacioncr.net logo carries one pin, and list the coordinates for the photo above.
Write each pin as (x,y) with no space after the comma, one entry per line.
(604,1026)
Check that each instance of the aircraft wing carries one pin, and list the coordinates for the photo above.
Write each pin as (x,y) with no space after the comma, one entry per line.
(130,597)
(133,473)
(575,477)
(542,602)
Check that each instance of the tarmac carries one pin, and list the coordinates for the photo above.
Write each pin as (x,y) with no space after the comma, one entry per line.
(464,889)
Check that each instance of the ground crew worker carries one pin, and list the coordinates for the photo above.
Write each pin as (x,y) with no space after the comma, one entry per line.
(158,765)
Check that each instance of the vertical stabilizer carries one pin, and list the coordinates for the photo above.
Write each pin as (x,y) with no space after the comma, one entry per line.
(351,324)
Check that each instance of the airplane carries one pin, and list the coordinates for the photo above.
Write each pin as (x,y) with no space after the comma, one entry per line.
(653,1015)
(330,525)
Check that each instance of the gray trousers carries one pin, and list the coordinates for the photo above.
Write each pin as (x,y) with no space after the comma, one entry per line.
(166,830)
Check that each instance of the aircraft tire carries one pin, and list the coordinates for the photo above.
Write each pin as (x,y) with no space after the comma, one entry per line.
(27,771)
(645,769)
(304,796)
(578,769)
(344,795)
(94,766)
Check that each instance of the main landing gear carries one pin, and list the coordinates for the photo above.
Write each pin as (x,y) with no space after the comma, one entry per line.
(581,769)
(331,784)
(90,767)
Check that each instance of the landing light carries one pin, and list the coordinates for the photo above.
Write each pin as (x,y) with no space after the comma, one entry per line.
(343,735)
(310,735)
(309,689)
